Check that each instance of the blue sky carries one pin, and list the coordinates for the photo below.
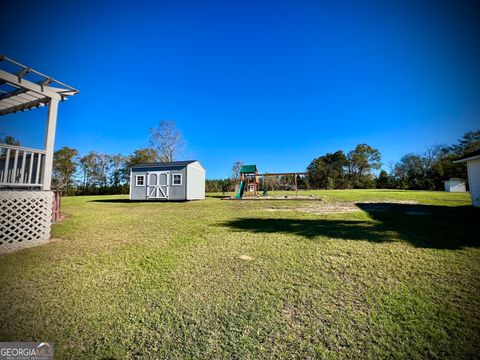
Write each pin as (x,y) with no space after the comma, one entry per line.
(270,83)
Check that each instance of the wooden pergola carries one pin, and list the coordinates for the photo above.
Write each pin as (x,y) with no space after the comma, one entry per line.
(22,89)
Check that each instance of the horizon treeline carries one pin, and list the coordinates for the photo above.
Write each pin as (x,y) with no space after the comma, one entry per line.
(96,173)
(361,168)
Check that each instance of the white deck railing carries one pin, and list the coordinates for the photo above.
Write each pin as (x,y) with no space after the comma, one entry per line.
(21,167)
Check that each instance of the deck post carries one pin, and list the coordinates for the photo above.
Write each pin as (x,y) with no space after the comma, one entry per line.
(49,143)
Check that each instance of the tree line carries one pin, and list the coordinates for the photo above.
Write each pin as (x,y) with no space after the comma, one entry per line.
(96,173)
(361,168)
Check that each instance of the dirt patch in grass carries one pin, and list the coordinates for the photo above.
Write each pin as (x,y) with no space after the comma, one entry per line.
(276,197)
(165,280)
(344,207)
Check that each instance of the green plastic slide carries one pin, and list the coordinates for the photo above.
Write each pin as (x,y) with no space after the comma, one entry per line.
(241,189)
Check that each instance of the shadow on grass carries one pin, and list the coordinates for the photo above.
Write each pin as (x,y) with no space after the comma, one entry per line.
(437,227)
(118,201)
(218,196)
(127,201)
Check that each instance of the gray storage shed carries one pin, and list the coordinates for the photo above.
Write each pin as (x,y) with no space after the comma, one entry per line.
(177,180)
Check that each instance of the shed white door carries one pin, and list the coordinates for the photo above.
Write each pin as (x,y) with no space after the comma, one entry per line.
(158,183)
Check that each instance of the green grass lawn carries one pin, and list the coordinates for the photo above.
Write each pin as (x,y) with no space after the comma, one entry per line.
(252,279)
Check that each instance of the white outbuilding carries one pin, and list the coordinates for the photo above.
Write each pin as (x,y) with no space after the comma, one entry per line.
(473,166)
(455,185)
(177,181)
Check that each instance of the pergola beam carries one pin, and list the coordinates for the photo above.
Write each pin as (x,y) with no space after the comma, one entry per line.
(23,83)
(23,72)
(30,105)
(26,94)
(6,95)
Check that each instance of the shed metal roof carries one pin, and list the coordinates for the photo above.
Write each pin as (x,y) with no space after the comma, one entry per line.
(248,169)
(470,156)
(22,88)
(164,164)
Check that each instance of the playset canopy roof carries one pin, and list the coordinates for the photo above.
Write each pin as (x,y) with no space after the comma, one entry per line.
(248,169)
(22,88)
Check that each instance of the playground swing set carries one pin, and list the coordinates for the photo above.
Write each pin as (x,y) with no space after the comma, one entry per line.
(250,180)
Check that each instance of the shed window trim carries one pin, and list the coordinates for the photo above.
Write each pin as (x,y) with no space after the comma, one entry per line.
(176,176)
(139,180)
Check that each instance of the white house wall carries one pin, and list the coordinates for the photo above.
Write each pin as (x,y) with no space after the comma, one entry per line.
(195,181)
(474,181)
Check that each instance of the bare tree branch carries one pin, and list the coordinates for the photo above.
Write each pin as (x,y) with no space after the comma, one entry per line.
(167,140)
(236,170)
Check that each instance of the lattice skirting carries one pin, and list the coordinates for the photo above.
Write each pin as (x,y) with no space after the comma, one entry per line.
(25,219)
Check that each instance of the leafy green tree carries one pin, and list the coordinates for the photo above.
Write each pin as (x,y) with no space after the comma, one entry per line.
(65,162)
(219,185)
(331,165)
(330,183)
(411,172)
(9,140)
(102,167)
(301,182)
(384,181)
(340,171)
(227,185)
(444,167)
(90,170)
(469,142)
(428,170)
(143,156)
(361,162)
(117,166)
(140,156)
